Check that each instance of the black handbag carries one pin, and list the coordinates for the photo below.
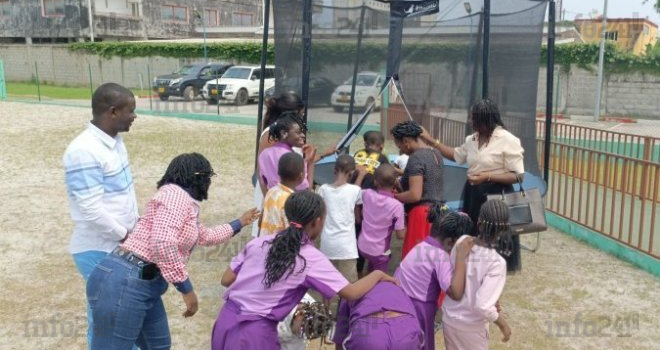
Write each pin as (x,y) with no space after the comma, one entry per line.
(526,209)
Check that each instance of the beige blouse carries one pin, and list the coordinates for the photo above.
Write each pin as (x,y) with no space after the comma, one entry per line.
(502,154)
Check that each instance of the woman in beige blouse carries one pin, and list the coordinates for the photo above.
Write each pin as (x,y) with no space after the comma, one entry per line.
(495,162)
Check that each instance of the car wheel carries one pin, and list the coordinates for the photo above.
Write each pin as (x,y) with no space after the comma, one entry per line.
(211,101)
(163,97)
(241,97)
(189,93)
(338,109)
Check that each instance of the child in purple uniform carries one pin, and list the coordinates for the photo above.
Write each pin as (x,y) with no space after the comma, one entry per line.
(384,318)
(381,214)
(271,275)
(426,270)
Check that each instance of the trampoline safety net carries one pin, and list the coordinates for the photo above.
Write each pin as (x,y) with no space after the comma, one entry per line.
(349,49)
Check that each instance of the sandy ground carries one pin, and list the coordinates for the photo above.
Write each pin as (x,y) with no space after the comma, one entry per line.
(605,303)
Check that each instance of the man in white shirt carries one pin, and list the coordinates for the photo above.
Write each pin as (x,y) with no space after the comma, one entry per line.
(99,182)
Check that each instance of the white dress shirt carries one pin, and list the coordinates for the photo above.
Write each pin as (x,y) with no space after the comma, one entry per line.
(502,154)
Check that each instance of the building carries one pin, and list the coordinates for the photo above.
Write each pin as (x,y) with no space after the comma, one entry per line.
(629,34)
(28,21)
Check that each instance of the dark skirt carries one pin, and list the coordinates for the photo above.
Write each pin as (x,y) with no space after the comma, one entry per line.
(473,198)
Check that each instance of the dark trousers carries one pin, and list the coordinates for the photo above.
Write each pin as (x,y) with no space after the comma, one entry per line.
(473,198)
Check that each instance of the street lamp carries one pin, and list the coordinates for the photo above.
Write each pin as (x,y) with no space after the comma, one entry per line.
(197,15)
(468,7)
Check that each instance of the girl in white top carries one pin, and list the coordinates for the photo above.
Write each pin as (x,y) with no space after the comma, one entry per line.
(495,162)
(466,321)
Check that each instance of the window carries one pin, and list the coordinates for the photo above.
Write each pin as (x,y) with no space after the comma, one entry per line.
(211,17)
(612,36)
(174,13)
(52,8)
(239,19)
(5,8)
(646,30)
(135,9)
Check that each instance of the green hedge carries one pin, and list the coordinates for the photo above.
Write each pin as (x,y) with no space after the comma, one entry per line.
(373,53)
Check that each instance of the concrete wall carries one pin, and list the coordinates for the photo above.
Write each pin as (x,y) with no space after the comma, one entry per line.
(56,64)
(623,94)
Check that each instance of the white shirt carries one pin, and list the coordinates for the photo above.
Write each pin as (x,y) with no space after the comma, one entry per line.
(100,189)
(338,240)
(502,154)
(484,282)
(401,161)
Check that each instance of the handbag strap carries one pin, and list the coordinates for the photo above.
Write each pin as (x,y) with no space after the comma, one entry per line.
(522,190)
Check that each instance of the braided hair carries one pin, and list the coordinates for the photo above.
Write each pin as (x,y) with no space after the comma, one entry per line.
(485,117)
(446,224)
(301,208)
(493,222)
(190,171)
(284,124)
(285,102)
(408,128)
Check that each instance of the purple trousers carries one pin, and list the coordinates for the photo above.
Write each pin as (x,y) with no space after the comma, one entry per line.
(426,316)
(374,263)
(233,331)
(396,333)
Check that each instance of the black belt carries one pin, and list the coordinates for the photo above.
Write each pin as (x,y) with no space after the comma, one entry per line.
(148,270)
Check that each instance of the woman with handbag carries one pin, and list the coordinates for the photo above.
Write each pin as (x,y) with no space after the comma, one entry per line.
(495,162)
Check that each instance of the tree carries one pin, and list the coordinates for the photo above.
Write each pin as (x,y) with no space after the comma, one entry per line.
(656,5)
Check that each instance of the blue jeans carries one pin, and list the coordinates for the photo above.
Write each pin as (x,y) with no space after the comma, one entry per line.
(126,309)
(85,262)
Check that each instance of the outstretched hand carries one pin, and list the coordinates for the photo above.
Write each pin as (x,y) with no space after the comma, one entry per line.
(249,217)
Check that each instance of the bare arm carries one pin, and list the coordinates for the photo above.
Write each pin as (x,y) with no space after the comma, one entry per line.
(505,179)
(400,234)
(446,151)
(414,193)
(358,289)
(228,278)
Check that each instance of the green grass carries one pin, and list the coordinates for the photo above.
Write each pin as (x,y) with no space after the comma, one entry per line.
(23,89)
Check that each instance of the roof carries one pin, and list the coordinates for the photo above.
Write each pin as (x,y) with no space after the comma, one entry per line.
(619,20)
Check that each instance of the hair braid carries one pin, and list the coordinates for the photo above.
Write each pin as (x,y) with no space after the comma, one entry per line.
(407,128)
(301,208)
(447,224)
(493,221)
(284,124)
(190,171)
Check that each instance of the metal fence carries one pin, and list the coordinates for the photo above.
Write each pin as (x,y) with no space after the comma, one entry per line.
(606,181)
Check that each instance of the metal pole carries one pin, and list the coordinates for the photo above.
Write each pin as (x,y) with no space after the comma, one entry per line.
(601,58)
(36,72)
(549,90)
(307,53)
(151,106)
(91,87)
(206,57)
(355,68)
(486,52)
(264,56)
(91,20)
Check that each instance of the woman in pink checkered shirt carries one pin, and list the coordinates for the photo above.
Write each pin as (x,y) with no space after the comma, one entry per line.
(125,289)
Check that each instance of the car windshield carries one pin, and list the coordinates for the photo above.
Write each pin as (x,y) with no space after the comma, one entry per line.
(187,70)
(362,80)
(237,73)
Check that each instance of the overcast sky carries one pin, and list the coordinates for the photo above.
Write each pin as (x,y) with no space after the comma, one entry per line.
(615,9)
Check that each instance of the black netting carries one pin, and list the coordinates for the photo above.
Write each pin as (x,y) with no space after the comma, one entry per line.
(437,58)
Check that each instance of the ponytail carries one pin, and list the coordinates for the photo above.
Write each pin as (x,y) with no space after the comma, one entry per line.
(301,208)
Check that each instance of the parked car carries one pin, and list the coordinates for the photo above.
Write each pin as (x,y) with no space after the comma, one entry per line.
(367,90)
(319,90)
(239,84)
(188,81)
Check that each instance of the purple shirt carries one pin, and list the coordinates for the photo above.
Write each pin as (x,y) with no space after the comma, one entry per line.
(253,298)
(381,214)
(425,271)
(385,296)
(268,164)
